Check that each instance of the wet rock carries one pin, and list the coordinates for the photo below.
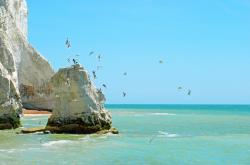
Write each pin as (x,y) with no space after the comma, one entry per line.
(33,130)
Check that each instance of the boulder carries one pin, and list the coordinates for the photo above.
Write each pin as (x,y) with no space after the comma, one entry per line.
(79,106)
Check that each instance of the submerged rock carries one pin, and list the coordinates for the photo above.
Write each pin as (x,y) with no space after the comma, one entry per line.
(79,106)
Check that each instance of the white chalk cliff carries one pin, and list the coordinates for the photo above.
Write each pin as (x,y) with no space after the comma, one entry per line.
(21,66)
(79,106)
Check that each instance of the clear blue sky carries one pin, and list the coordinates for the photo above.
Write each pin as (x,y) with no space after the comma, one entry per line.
(205,46)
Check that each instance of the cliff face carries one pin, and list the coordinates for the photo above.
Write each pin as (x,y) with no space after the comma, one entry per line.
(34,73)
(79,106)
(20,64)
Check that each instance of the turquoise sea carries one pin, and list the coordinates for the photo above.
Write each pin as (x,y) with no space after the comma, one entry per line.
(149,134)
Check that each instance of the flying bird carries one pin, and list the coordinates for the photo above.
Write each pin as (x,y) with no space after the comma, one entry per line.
(125,73)
(161,61)
(189,92)
(67,43)
(94,74)
(91,53)
(124,94)
(104,85)
(99,57)
(179,88)
(99,90)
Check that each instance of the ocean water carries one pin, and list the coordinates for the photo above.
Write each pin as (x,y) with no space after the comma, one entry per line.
(149,134)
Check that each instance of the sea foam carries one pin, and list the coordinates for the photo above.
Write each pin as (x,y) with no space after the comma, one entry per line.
(58,142)
(163,114)
(166,134)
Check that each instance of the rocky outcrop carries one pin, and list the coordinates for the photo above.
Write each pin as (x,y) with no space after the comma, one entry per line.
(10,105)
(20,64)
(79,106)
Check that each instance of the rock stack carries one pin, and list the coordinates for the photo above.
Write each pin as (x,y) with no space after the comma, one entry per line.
(79,106)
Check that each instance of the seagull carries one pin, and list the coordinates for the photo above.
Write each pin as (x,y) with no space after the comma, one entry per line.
(99,90)
(161,61)
(67,43)
(94,74)
(99,57)
(189,92)
(124,94)
(104,85)
(91,53)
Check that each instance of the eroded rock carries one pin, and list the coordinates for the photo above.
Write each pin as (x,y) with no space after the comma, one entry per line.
(20,64)
(79,106)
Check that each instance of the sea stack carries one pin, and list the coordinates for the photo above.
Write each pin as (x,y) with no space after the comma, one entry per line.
(20,65)
(79,106)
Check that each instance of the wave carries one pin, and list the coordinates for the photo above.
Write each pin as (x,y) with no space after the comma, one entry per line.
(8,150)
(15,150)
(166,134)
(58,142)
(137,114)
(154,114)
(36,119)
(162,134)
(85,138)
(163,114)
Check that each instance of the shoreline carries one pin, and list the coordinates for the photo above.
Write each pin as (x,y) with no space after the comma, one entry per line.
(30,113)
